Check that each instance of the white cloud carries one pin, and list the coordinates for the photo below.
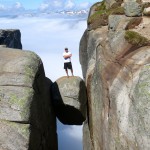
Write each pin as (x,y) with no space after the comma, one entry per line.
(51,5)
(66,4)
(44,6)
(18,5)
(57,3)
(69,4)
(11,7)
(75,132)
(84,5)
(2,7)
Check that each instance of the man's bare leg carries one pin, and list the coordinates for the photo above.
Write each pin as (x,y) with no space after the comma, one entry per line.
(67,72)
(72,72)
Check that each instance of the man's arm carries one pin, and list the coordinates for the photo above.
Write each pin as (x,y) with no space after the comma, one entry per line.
(67,56)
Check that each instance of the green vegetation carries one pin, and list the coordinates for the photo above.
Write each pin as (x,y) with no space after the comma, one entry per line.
(97,20)
(100,17)
(136,39)
(101,7)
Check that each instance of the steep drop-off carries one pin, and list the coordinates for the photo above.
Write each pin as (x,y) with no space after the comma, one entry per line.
(115,59)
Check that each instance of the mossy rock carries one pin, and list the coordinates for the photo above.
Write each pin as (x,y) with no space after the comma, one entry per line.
(136,39)
(100,17)
(101,7)
(98,20)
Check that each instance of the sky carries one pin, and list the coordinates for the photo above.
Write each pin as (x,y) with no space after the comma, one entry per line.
(40,4)
(47,36)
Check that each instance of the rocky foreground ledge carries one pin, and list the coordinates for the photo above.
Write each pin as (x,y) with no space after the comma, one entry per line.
(27,118)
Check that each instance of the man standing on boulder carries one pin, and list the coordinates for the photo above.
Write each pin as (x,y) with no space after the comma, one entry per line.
(67,61)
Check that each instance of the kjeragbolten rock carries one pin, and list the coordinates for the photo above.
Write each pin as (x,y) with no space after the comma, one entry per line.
(70,100)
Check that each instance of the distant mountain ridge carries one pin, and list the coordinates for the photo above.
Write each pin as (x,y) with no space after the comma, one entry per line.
(35,13)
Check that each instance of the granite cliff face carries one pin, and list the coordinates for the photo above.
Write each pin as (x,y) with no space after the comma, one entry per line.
(115,59)
(11,38)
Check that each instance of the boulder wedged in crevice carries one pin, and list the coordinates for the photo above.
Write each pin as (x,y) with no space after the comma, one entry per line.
(69,100)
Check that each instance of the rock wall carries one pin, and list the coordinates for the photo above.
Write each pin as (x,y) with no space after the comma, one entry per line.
(11,38)
(115,59)
(27,118)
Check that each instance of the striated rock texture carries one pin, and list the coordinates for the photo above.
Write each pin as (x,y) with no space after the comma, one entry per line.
(70,100)
(115,60)
(27,119)
(11,38)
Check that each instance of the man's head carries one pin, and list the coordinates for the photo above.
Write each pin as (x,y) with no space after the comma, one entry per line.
(66,49)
